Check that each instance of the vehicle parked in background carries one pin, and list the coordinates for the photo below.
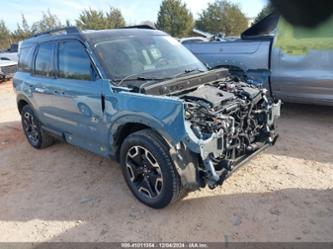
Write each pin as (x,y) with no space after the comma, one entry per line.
(299,60)
(140,97)
(10,53)
(7,69)
(203,37)
(8,62)
(13,48)
(192,39)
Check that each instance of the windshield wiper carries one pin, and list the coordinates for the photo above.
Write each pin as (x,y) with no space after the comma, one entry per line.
(187,71)
(136,77)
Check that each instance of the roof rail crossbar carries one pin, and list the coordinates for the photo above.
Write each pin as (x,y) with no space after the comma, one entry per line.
(68,30)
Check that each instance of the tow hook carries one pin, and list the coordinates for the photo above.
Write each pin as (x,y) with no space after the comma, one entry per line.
(220,180)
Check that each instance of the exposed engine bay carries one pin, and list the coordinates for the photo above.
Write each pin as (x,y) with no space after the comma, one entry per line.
(233,119)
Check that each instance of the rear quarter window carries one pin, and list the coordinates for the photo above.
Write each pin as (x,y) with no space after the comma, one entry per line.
(25,59)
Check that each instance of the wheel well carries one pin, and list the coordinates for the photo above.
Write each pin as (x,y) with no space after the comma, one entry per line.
(21,104)
(124,131)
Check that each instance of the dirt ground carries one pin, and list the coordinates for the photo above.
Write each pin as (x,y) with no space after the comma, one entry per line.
(63,193)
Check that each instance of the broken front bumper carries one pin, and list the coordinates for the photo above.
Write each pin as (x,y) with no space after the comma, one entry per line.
(213,147)
(217,177)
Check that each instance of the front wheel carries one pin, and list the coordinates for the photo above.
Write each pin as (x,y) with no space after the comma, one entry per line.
(148,169)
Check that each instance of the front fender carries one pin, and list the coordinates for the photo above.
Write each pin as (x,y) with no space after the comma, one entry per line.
(163,114)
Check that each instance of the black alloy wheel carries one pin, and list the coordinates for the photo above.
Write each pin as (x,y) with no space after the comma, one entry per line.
(144,171)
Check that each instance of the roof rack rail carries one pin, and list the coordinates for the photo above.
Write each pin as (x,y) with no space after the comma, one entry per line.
(68,30)
(141,26)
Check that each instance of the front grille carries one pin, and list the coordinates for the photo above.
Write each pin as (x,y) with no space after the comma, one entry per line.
(9,70)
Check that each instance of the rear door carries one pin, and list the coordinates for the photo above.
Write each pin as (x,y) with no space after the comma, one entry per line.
(40,82)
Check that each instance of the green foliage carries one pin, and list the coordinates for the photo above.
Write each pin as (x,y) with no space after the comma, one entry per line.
(91,19)
(94,19)
(222,16)
(88,19)
(68,23)
(4,35)
(114,19)
(174,18)
(22,31)
(268,9)
(49,21)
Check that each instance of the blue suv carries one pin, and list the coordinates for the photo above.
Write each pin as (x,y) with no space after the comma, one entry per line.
(138,96)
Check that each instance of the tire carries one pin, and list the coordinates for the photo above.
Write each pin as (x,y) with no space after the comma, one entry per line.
(145,161)
(36,136)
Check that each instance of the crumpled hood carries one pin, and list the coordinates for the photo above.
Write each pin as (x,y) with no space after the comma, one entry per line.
(177,85)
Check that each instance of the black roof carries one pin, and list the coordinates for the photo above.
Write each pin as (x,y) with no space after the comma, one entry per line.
(90,35)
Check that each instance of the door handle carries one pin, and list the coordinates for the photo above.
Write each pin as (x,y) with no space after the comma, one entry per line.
(39,90)
(56,92)
(28,89)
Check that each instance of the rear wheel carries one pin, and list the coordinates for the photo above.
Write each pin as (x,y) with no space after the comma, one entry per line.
(148,169)
(35,135)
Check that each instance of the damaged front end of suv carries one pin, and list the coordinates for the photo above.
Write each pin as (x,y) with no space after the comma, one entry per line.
(229,121)
(226,122)
(170,116)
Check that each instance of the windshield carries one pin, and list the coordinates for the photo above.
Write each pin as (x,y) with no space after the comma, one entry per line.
(159,57)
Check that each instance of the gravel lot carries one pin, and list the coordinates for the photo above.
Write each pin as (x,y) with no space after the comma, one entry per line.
(63,193)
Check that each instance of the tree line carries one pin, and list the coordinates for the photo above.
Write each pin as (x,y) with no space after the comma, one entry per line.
(174,17)
(88,19)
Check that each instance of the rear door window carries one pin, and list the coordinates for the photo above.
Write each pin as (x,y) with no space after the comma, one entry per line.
(74,62)
(44,65)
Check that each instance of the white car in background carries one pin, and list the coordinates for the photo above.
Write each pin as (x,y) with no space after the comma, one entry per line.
(9,56)
(8,62)
(10,53)
(7,69)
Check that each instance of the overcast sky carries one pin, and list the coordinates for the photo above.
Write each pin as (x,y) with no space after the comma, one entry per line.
(135,11)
